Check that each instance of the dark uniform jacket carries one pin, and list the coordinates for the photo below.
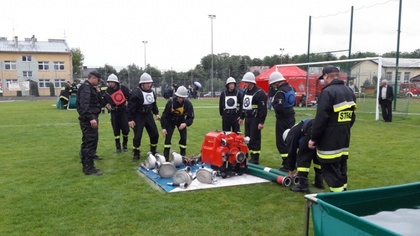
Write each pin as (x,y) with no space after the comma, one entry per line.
(110,91)
(230,103)
(176,113)
(254,104)
(334,117)
(283,101)
(88,102)
(389,94)
(298,134)
(141,102)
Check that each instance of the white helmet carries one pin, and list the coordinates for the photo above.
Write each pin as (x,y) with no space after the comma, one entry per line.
(112,78)
(285,133)
(230,80)
(145,78)
(249,77)
(181,92)
(276,77)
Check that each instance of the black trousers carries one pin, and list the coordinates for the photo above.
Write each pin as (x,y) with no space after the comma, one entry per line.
(119,122)
(170,131)
(335,173)
(281,125)
(305,156)
(252,131)
(230,123)
(386,107)
(89,140)
(145,121)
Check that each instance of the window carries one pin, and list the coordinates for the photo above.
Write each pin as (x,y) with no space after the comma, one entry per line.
(10,81)
(388,76)
(27,73)
(58,83)
(10,65)
(44,83)
(399,76)
(26,58)
(43,65)
(406,77)
(58,65)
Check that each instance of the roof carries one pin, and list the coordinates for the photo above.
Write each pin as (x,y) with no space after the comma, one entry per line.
(32,45)
(402,62)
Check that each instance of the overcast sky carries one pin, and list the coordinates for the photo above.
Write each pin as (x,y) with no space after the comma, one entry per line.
(178,32)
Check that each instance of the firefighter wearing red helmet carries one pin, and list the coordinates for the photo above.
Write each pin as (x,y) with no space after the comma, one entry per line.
(254,111)
(115,98)
(178,113)
(331,129)
(283,102)
(230,106)
(141,108)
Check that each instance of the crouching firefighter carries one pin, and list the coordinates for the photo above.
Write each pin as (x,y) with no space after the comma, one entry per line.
(254,111)
(115,98)
(141,108)
(179,113)
(301,156)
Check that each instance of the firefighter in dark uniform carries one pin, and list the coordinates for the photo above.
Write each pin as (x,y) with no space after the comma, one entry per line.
(254,111)
(115,97)
(141,108)
(65,93)
(88,106)
(283,102)
(179,113)
(301,156)
(331,129)
(230,106)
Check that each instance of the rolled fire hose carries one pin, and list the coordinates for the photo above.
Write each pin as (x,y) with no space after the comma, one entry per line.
(176,158)
(282,180)
(150,161)
(183,176)
(166,170)
(160,158)
(206,176)
(295,178)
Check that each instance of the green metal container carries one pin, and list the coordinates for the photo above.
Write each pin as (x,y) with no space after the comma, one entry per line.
(342,213)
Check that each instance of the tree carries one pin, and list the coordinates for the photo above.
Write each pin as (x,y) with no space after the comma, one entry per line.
(106,71)
(77,62)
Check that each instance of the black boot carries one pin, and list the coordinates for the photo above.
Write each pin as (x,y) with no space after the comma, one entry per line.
(255,159)
(166,153)
(136,155)
(125,141)
(319,181)
(303,185)
(153,148)
(284,165)
(118,146)
(89,167)
(183,151)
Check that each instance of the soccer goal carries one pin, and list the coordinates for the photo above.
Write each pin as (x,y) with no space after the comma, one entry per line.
(369,68)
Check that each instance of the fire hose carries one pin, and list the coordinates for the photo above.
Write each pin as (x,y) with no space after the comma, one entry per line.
(282,180)
(295,179)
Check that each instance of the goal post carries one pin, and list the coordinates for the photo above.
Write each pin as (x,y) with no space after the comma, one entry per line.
(379,73)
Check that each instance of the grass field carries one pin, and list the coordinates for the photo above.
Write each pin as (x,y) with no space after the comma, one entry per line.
(44,192)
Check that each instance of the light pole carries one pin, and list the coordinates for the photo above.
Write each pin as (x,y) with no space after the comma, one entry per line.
(144,42)
(281,55)
(211,72)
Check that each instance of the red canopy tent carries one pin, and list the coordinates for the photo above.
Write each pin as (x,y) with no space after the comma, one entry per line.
(290,73)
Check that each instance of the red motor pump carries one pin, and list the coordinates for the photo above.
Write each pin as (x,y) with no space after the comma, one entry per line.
(225,152)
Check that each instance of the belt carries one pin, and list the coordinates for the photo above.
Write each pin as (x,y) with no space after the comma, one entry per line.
(231,111)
